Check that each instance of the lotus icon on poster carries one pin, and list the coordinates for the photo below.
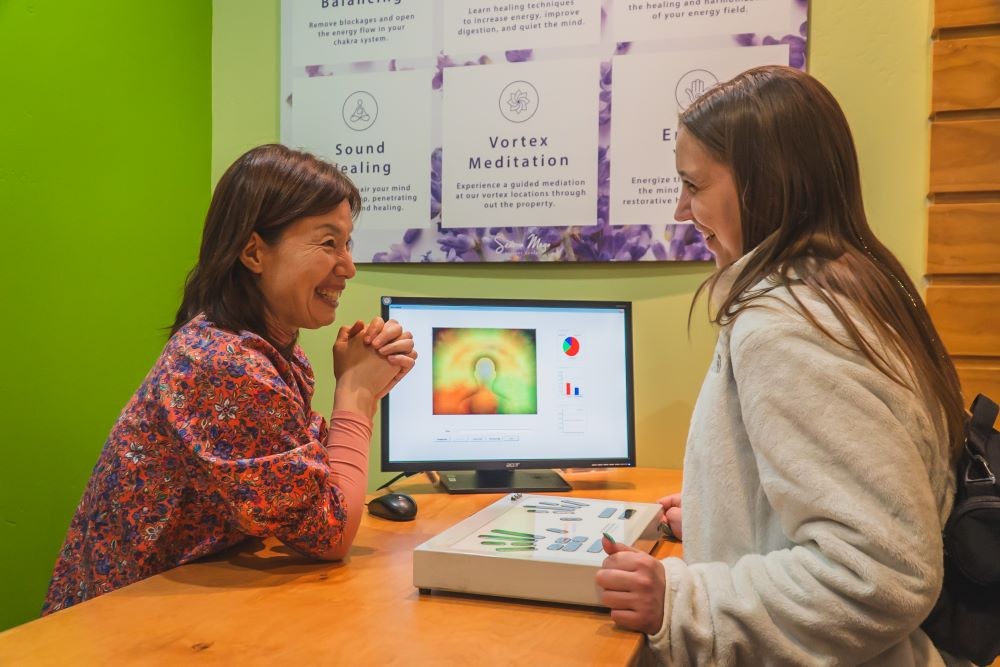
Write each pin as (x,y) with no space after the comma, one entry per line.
(518,101)
(360,110)
(692,85)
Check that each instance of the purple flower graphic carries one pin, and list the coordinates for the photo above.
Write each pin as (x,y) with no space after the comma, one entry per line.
(436,162)
(603,185)
(611,244)
(444,61)
(398,252)
(796,49)
(518,55)
(796,44)
(435,199)
(603,209)
(435,183)
(604,97)
(460,245)
(685,243)
(603,168)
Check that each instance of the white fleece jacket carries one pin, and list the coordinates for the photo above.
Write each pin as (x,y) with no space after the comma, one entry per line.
(814,494)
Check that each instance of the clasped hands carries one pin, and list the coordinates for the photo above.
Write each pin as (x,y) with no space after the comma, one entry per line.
(633,583)
(369,360)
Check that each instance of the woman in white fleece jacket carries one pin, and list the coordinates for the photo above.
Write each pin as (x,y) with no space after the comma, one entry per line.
(818,469)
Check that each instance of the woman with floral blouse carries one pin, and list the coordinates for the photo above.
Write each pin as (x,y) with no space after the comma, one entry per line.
(220,442)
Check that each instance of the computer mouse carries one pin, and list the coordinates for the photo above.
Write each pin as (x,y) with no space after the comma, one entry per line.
(393,506)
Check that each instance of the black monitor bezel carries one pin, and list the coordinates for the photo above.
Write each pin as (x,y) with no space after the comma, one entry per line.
(628,461)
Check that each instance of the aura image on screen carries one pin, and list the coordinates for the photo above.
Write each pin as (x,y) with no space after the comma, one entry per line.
(484,371)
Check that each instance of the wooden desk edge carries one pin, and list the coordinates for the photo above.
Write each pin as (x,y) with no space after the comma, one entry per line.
(185,609)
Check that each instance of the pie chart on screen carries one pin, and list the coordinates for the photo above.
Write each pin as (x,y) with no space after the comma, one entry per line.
(571,346)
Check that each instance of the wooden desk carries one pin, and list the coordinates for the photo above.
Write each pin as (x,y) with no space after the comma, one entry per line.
(262,604)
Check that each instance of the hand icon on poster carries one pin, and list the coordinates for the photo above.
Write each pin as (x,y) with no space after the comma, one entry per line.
(693,85)
(696,90)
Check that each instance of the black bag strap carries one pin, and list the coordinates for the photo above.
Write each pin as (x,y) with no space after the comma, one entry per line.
(979,477)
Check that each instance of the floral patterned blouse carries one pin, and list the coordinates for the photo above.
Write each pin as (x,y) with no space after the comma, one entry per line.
(218,443)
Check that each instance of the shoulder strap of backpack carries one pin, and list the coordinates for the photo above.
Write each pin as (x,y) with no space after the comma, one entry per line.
(979,477)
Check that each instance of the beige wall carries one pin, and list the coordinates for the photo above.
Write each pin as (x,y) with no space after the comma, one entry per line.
(873,55)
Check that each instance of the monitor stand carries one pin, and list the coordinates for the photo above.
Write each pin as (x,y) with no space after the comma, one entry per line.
(501,481)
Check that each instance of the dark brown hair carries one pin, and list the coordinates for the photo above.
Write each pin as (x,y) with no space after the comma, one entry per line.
(264,191)
(794,164)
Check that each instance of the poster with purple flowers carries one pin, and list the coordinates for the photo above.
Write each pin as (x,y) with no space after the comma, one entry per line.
(493,131)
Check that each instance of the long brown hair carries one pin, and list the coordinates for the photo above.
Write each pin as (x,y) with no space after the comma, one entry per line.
(793,161)
(264,191)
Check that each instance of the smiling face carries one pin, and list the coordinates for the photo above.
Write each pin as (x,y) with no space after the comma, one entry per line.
(303,274)
(709,199)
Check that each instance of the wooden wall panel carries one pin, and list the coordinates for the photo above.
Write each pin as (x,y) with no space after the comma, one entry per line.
(963,224)
(966,73)
(965,13)
(967,318)
(982,378)
(963,239)
(964,155)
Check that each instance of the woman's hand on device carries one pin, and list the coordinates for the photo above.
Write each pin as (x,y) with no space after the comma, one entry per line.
(672,514)
(633,585)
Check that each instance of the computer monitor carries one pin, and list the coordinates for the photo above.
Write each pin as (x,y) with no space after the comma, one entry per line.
(504,390)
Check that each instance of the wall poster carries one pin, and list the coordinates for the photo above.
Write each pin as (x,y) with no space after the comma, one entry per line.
(495,131)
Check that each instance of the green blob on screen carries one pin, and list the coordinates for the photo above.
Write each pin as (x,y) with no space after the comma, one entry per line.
(484,371)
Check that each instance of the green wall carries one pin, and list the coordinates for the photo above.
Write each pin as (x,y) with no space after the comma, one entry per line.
(873,55)
(105,153)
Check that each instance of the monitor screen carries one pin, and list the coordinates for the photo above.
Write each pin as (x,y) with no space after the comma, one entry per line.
(504,388)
